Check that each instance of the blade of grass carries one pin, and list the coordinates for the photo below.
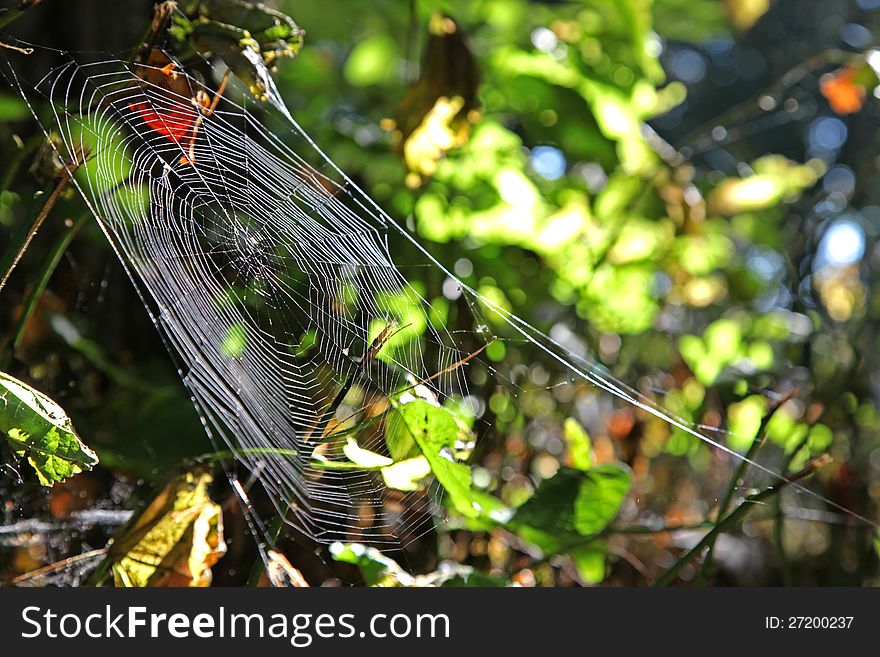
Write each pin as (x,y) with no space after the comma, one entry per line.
(24,237)
(259,566)
(779,517)
(22,150)
(739,476)
(736,515)
(13,13)
(48,269)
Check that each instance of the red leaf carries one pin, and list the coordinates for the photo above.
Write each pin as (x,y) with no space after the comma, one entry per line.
(175,124)
(843,92)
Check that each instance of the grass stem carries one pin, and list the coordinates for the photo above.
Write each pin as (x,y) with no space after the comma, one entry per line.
(736,515)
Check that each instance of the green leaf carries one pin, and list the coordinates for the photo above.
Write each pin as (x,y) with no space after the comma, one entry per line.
(379,570)
(272,29)
(599,498)
(570,504)
(613,108)
(36,427)
(376,568)
(12,108)
(372,61)
(249,36)
(398,438)
(820,438)
(435,430)
(590,562)
(744,420)
(471,578)
(406,475)
(579,445)
(234,343)
(551,508)
(492,513)
(364,457)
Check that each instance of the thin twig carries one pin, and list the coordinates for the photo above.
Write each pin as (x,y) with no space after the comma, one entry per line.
(697,140)
(23,51)
(161,14)
(450,368)
(53,568)
(12,258)
(23,150)
(385,335)
(34,531)
(274,532)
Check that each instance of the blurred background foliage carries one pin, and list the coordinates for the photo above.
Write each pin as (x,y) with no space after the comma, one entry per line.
(684,190)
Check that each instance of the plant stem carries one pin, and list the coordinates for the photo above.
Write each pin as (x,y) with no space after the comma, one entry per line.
(259,567)
(665,529)
(229,455)
(100,574)
(39,287)
(15,161)
(631,530)
(737,481)
(779,516)
(745,506)
(11,14)
(734,516)
(778,534)
(58,566)
(23,238)
(691,140)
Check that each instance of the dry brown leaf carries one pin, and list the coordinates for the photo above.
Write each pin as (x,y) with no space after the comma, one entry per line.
(175,540)
(280,573)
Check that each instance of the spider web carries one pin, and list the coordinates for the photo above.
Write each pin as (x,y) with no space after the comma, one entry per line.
(271,277)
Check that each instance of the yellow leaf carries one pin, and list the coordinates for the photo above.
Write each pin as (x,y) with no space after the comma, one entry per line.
(175,540)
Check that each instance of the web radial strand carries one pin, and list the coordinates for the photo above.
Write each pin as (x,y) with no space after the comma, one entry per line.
(269,274)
